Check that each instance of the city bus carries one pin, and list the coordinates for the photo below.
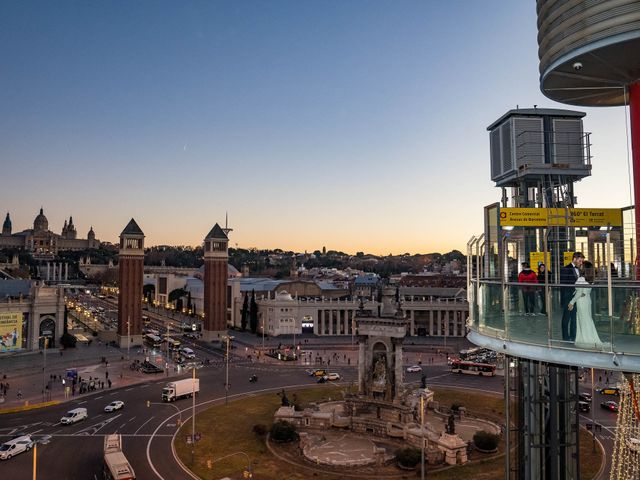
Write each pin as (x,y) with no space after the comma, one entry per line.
(173,343)
(145,320)
(116,465)
(472,368)
(153,340)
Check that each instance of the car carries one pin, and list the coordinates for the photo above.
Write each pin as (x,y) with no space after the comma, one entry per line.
(318,372)
(584,397)
(113,406)
(610,391)
(73,416)
(610,405)
(15,446)
(322,379)
(414,368)
(333,376)
(584,407)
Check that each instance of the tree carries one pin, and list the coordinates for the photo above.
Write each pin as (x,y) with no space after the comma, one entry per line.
(408,457)
(282,431)
(253,313)
(245,313)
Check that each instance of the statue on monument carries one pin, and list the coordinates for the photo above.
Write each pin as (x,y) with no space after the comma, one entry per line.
(380,375)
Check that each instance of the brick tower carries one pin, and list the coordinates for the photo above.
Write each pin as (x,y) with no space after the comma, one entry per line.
(216,258)
(130,266)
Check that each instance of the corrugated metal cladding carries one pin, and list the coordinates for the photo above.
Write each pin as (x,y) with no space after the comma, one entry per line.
(505,135)
(496,159)
(568,25)
(529,140)
(567,141)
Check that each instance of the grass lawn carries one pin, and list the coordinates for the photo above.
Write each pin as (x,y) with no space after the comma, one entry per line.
(229,429)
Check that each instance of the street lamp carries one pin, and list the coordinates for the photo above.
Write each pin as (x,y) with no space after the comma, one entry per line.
(149,403)
(263,356)
(44,365)
(422,435)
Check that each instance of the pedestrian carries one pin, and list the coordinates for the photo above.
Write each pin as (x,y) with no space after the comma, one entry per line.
(542,279)
(109,383)
(19,394)
(528,292)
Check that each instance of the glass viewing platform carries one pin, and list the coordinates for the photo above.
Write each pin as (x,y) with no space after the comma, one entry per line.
(498,321)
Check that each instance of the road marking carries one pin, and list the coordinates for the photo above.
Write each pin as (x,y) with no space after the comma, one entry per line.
(80,403)
(98,398)
(117,429)
(126,390)
(131,419)
(95,428)
(145,385)
(136,432)
(36,431)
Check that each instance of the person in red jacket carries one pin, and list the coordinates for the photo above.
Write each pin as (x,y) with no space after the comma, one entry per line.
(528,293)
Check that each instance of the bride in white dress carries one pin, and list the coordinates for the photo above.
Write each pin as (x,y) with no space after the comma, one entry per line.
(586,333)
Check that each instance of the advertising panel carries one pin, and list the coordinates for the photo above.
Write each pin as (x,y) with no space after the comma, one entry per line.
(573,217)
(536,258)
(10,331)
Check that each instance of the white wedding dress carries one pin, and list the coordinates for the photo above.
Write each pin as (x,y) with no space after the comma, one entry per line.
(586,333)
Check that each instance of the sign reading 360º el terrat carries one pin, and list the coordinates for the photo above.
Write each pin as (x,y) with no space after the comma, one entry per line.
(572,217)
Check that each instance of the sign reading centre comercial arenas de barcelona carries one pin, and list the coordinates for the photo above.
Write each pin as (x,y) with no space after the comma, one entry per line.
(10,331)
(560,217)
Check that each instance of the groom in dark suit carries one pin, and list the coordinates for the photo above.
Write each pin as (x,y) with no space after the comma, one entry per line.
(568,276)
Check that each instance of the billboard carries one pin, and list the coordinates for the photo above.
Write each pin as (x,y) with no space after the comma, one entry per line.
(549,217)
(10,331)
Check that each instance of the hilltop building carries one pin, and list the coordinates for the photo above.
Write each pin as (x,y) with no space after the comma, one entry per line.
(41,241)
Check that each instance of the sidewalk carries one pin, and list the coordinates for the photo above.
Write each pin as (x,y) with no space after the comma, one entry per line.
(24,373)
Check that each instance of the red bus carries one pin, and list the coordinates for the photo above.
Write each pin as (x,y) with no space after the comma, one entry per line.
(472,368)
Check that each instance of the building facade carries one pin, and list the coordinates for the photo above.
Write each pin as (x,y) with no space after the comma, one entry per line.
(43,242)
(30,312)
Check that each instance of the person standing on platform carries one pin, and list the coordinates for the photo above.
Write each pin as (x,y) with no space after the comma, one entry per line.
(569,274)
(541,291)
(528,292)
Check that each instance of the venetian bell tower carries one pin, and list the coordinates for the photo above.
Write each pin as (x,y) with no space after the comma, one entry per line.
(216,260)
(130,274)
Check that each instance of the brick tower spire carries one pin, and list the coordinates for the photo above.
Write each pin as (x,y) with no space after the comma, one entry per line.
(130,266)
(216,258)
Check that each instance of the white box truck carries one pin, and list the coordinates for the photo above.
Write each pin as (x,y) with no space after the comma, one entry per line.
(179,389)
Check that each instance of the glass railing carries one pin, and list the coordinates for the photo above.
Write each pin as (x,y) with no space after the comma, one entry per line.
(584,317)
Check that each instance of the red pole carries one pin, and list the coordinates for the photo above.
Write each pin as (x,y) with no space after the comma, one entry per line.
(634,114)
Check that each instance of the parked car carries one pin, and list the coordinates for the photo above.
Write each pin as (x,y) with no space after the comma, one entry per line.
(333,376)
(414,368)
(113,406)
(73,416)
(15,446)
(610,405)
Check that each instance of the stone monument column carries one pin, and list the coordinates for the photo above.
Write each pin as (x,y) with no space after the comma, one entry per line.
(216,261)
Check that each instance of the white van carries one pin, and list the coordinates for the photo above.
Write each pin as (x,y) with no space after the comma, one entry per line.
(15,446)
(73,416)
(187,353)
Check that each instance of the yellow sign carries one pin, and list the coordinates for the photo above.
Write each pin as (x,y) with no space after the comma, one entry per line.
(560,217)
(568,258)
(10,331)
(535,258)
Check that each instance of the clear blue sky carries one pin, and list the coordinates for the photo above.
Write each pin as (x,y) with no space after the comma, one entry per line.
(358,125)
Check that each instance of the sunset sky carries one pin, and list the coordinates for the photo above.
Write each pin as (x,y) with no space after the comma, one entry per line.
(355,125)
